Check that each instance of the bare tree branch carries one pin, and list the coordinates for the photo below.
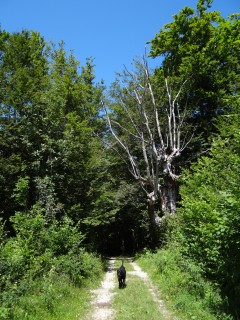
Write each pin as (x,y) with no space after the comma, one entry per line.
(160,146)
(125,129)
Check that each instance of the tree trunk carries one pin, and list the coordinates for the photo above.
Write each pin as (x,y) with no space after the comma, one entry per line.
(169,195)
(154,217)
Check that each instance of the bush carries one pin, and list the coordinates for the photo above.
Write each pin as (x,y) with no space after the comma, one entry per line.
(209,216)
(40,263)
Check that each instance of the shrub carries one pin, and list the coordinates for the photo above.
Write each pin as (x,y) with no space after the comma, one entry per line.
(40,263)
(209,216)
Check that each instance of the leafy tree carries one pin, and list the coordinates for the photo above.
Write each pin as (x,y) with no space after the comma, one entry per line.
(210,209)
(203,47)
(49,121)
(23,72)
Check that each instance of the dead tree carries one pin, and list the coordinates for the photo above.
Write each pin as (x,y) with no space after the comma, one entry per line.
(161,142)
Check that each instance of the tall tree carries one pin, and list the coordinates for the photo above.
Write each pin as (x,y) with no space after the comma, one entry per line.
(147,123)
(204,47)
(23,73)
(153,117)
(49,116)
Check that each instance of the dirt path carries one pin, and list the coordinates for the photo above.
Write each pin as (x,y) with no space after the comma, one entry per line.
(102,297)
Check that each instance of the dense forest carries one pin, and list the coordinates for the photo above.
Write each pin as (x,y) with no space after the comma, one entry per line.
(151,163)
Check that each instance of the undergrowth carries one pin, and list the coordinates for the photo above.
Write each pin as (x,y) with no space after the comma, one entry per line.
(183,286)
(53,296)
(45,269)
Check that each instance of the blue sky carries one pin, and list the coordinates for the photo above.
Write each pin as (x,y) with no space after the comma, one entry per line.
(113,32)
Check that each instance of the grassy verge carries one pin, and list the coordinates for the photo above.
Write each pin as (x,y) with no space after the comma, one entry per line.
(182,286)
(135,301)
(52,297)
(55,300)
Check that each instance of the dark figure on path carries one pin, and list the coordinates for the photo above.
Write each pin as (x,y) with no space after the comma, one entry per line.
(121,274)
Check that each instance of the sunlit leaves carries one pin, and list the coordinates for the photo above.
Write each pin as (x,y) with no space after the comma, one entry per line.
(210,207)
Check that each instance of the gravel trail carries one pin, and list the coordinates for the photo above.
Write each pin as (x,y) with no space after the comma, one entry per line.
(103,296)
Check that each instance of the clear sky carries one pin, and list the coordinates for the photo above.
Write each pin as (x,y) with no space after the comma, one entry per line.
(111,31)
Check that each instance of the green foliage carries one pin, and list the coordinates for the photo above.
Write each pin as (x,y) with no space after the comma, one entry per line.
(183,286)
(52,296)
(2,234)
(36,244)
(44,253)
(49,114)
(203,47)
(209,215)
(21,191)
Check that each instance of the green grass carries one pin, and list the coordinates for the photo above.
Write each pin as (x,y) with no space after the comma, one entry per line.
(182,286)
(54,299)
(135,301)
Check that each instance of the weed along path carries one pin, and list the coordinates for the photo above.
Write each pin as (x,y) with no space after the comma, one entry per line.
(140,299)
